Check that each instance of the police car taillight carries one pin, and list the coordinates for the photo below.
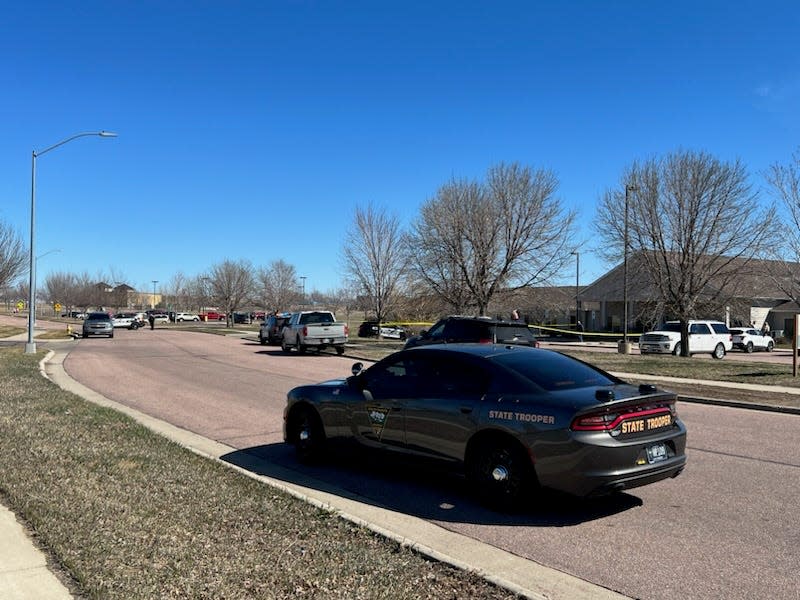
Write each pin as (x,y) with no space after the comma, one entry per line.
(601,422)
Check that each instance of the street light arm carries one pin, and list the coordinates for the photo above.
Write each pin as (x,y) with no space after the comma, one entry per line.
(77,135)
(30,346)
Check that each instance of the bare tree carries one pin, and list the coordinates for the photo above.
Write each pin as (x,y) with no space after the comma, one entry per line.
(178,292)
(694,223)
(374,258)
(784,182)
(474,239)
(278,283)
(61,287)
(12,255)
(231,284)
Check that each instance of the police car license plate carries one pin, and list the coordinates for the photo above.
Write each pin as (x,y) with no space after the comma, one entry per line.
(656,453)
(326,341)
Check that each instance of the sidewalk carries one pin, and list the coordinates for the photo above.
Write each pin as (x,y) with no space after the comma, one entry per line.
(24,574)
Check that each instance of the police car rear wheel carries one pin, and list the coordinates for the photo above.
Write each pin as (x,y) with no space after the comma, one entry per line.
(501,474)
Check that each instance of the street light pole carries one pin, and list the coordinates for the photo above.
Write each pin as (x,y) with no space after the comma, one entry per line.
(303,299)
(577,287)
(203,283)
(30,346)
(155,281)
(624,348)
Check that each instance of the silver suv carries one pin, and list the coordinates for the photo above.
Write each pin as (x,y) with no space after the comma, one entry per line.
(712,337)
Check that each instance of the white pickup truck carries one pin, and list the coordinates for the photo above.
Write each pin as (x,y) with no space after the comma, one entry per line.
(314,328)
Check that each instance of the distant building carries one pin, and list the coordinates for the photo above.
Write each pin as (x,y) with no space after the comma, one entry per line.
(757,295)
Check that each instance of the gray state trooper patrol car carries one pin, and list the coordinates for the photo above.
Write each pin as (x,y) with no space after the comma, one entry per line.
(513,418)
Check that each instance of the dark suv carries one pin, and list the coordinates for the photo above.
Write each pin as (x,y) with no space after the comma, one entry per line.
(481,330)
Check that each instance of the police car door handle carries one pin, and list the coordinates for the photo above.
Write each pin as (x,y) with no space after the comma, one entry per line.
(466,409)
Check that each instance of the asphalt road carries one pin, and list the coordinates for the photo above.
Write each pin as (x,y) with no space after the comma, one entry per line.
(726,528)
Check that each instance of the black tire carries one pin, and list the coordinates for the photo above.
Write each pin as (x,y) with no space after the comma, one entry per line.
(285,347)
(719,352)
(111,335)
(301,349)
(85,335)
(677,350)
(306,434)
(261,340)
(770,346)
(749,348)
(339,350)
(501,474)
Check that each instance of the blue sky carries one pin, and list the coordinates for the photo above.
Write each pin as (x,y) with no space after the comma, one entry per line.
(251,130)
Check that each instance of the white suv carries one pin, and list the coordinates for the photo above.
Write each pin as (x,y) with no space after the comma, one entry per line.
(182,316)
(711,337)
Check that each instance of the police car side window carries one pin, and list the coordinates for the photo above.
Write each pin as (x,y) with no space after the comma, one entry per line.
(452,378)
(394,380)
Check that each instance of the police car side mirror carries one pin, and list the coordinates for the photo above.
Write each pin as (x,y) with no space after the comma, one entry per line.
(357,368)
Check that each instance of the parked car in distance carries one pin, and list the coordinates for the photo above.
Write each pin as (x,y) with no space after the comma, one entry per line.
(705,337)
(212,315)
(370,329)
(242,317)
(98,323)
(271,330)
(750,339)
(185,316)
(159,316)
(126,320)
(513,419)
(74,314)
(481,330)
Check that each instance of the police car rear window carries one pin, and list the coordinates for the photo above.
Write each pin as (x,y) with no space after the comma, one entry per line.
(553,371)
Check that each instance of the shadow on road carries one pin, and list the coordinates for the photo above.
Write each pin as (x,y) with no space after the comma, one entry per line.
(419,489)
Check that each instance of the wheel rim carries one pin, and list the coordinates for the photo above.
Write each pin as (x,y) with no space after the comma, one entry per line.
(500,476)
